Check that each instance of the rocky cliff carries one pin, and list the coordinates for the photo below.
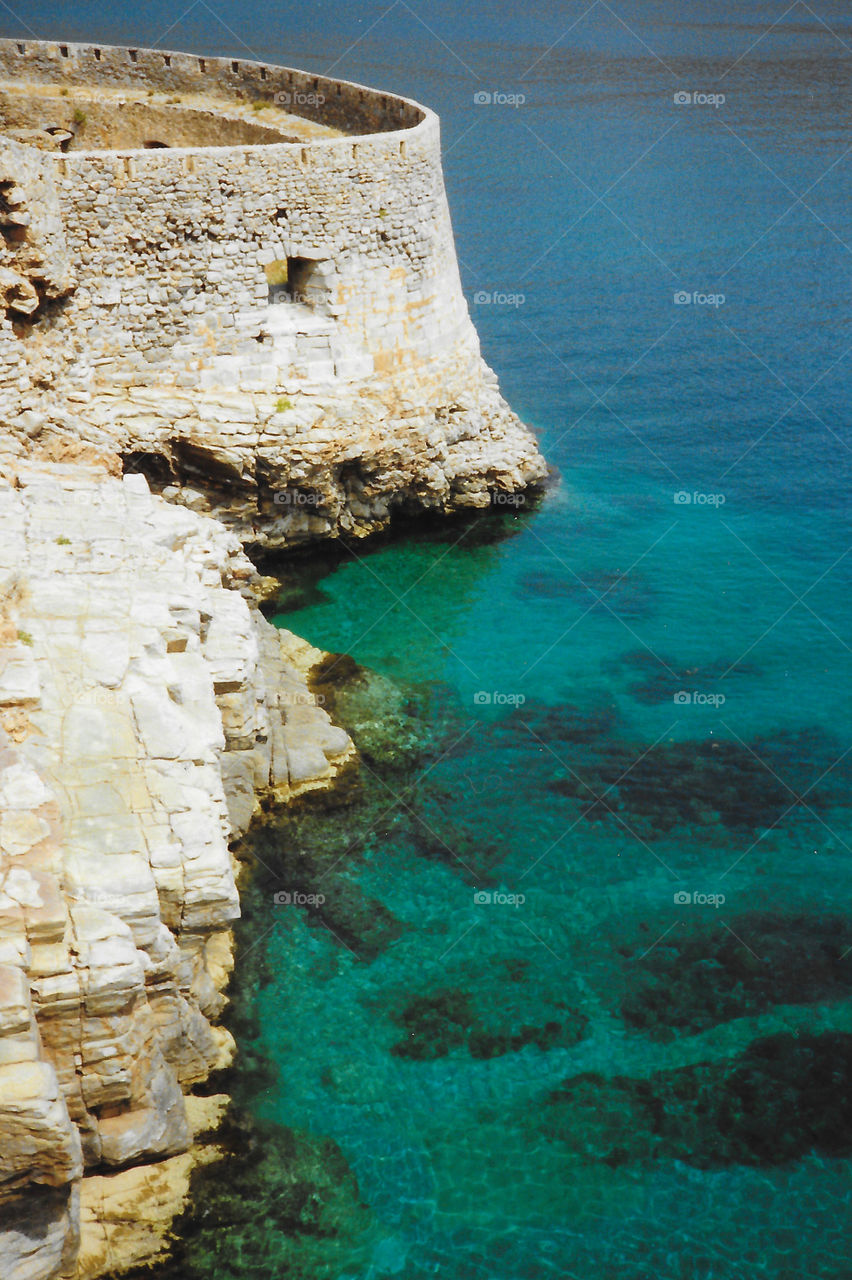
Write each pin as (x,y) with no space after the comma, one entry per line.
(145,706)
(278,325)
(229,290)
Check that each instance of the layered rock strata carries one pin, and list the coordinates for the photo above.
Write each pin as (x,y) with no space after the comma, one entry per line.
(145,705)
(238,282)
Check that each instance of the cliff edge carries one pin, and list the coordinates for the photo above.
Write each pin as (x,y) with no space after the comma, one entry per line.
(145,705)
(230,290)
(243,280)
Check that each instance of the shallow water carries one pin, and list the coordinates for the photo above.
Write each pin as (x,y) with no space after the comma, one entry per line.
(602,1080)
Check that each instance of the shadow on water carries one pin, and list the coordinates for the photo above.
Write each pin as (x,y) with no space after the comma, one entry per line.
(300,571)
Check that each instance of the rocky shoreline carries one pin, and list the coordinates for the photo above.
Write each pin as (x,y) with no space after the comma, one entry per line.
(146,709)
(204,350)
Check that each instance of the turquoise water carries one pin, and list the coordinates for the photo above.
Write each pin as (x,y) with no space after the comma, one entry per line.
(600,1081)
(603,1080)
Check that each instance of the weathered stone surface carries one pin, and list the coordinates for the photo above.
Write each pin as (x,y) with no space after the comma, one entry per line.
(154,689)
(277,336)
(34,260)
(349,387)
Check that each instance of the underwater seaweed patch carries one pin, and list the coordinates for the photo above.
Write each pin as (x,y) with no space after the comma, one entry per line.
(699,978)
(437,1023)
(782,1098)
(678,784)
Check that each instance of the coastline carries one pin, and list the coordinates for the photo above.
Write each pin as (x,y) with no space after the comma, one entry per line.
(265,345)
(139,742)
(149,717)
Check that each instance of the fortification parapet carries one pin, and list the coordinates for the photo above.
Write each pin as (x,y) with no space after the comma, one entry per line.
(238,229)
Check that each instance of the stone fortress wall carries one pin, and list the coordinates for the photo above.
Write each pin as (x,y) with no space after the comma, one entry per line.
(279,315)
(171,244)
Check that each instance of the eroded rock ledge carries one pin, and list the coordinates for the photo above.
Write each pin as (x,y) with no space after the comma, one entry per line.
(145,706)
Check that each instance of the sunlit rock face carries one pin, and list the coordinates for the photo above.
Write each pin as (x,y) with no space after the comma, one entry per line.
(145,705)
(276,319)
(235,285)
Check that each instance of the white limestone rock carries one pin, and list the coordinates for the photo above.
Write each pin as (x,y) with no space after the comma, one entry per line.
(151,698)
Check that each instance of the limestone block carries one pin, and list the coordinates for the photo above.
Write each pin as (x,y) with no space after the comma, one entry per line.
(238,777)
(21,788)
(20,830)
(306,759)
(19,680)
(97,734)
(38,1233)
(15,1005)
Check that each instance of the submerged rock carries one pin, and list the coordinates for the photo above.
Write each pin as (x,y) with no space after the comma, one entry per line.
(694,980)
(442,1022)
(287,1199)
(784,1097)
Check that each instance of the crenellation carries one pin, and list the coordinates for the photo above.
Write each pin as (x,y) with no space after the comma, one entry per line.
(349,107)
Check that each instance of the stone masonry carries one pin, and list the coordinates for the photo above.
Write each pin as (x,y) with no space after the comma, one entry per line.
(268,315)
(226,289)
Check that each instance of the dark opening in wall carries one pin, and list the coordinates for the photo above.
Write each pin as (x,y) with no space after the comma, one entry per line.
(22,48)
(133,55)
(296,280)
(299,273)
(97,54)
(63,50)
(62,137)
(167,59)
(235,67)
(151,144)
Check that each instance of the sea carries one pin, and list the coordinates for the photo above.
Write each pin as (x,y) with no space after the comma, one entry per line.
(560,984)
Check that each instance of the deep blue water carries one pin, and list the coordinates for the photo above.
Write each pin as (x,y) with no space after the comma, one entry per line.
(691,1113)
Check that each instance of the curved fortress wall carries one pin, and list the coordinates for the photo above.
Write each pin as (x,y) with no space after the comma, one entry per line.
(352,108)
(171,247)
(174,247)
